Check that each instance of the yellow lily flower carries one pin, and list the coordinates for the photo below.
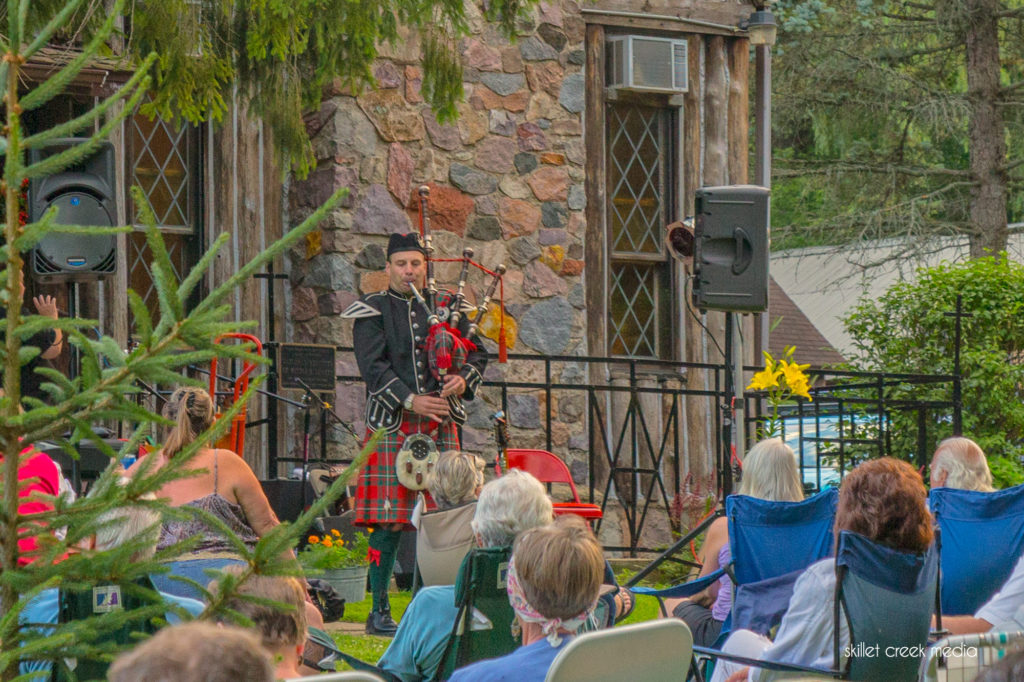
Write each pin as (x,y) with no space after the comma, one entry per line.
(765,379)
(793,372)
(802,389)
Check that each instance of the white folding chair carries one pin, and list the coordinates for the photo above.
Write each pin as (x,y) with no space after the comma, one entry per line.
(347,676)
(960,658)
(654,651)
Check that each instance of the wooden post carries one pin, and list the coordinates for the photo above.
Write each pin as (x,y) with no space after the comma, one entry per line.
(739,171)
(716,169)
(596,234)
(739,121)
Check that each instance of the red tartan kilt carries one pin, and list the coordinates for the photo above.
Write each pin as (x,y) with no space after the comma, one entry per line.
(380,498)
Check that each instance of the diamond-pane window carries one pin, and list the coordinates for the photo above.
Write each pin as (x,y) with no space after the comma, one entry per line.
(165,165)
(639,201)
(636,176)
(165,162)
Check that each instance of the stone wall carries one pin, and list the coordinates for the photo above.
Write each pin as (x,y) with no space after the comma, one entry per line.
(506,179)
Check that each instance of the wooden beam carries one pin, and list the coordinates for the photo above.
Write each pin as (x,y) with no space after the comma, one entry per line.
(728,13)
(594,184)
(692,123)
(739,111)
(716,113)
(668,25)
(595,242)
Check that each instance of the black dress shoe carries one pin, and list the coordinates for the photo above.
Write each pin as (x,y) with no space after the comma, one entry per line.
(381,623)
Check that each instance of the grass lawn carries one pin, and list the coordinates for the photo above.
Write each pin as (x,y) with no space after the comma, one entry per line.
(368,647)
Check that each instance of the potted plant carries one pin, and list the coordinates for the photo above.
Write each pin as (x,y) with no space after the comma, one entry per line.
(342,564)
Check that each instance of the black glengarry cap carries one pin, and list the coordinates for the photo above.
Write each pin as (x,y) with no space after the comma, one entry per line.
(405,242)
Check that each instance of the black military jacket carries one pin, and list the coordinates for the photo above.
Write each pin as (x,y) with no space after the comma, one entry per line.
(389,336)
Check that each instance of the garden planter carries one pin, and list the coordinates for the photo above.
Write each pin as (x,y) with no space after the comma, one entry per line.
(349,583)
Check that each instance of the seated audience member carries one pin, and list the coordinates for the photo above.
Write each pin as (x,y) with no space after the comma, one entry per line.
(960,463)
(770,473)
(131,524)
(1003,612)
(281,626)
(883,500)
(38,477)
(224,486)
(507,506)
(197,652)
(553,582)
(444,536)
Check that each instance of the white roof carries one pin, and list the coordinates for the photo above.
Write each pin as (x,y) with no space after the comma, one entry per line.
(826,282)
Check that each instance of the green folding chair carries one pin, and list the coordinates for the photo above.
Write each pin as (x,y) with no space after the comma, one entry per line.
(111,608)
(483,626)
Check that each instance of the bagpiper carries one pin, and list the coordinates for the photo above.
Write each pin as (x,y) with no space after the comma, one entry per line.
(417,404)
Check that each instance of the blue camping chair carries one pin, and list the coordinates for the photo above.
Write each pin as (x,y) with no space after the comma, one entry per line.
(771,543)
(981,536)
(887,598)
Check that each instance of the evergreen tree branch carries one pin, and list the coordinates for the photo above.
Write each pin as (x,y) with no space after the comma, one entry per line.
(55,24)
(57,83)
(824,167)
(138,81)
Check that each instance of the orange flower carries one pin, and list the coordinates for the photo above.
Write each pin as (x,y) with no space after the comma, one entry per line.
(313,539)
(335,533)
(327,542)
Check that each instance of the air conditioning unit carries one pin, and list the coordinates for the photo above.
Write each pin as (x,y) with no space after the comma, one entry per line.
(647,64)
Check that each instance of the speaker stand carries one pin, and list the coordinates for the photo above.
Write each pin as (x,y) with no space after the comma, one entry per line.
(74,358)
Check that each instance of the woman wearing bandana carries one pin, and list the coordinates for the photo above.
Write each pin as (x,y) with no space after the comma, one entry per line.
(553,582)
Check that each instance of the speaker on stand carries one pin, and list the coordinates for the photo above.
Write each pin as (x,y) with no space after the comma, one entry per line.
(730,249)
(727,245)
(84,193)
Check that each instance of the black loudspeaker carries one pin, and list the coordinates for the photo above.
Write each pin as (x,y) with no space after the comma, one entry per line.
(84,194)
(731,249)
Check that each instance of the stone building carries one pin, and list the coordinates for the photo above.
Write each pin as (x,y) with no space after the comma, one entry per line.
(552,168)
(569,182)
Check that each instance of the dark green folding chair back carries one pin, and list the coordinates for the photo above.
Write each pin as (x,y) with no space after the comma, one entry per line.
(119,599)
(483,626)
(889,598)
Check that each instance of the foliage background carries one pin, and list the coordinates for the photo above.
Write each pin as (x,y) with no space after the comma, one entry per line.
(871,119)
(908,330)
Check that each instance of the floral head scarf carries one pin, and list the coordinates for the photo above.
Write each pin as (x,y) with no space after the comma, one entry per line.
(528,614)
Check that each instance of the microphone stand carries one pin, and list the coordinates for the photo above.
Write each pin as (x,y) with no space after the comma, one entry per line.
(307,403)
(310,394)
(308,398)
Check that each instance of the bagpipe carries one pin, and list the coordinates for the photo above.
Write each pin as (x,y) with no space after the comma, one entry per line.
(446,346)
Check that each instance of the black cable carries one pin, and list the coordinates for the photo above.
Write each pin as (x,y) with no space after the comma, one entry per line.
(686,302)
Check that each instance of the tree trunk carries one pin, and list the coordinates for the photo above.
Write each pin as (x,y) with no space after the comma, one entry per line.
(986,130)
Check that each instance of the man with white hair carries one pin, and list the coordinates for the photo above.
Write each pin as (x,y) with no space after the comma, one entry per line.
(960,463)
(508,505)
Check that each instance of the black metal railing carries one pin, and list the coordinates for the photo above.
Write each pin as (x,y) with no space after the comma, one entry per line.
(635,443)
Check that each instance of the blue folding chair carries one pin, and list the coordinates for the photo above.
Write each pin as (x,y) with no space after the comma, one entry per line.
(887,598)
(770,541)
(981,536)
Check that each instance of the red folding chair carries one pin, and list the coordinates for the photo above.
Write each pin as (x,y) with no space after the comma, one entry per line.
(548,467)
